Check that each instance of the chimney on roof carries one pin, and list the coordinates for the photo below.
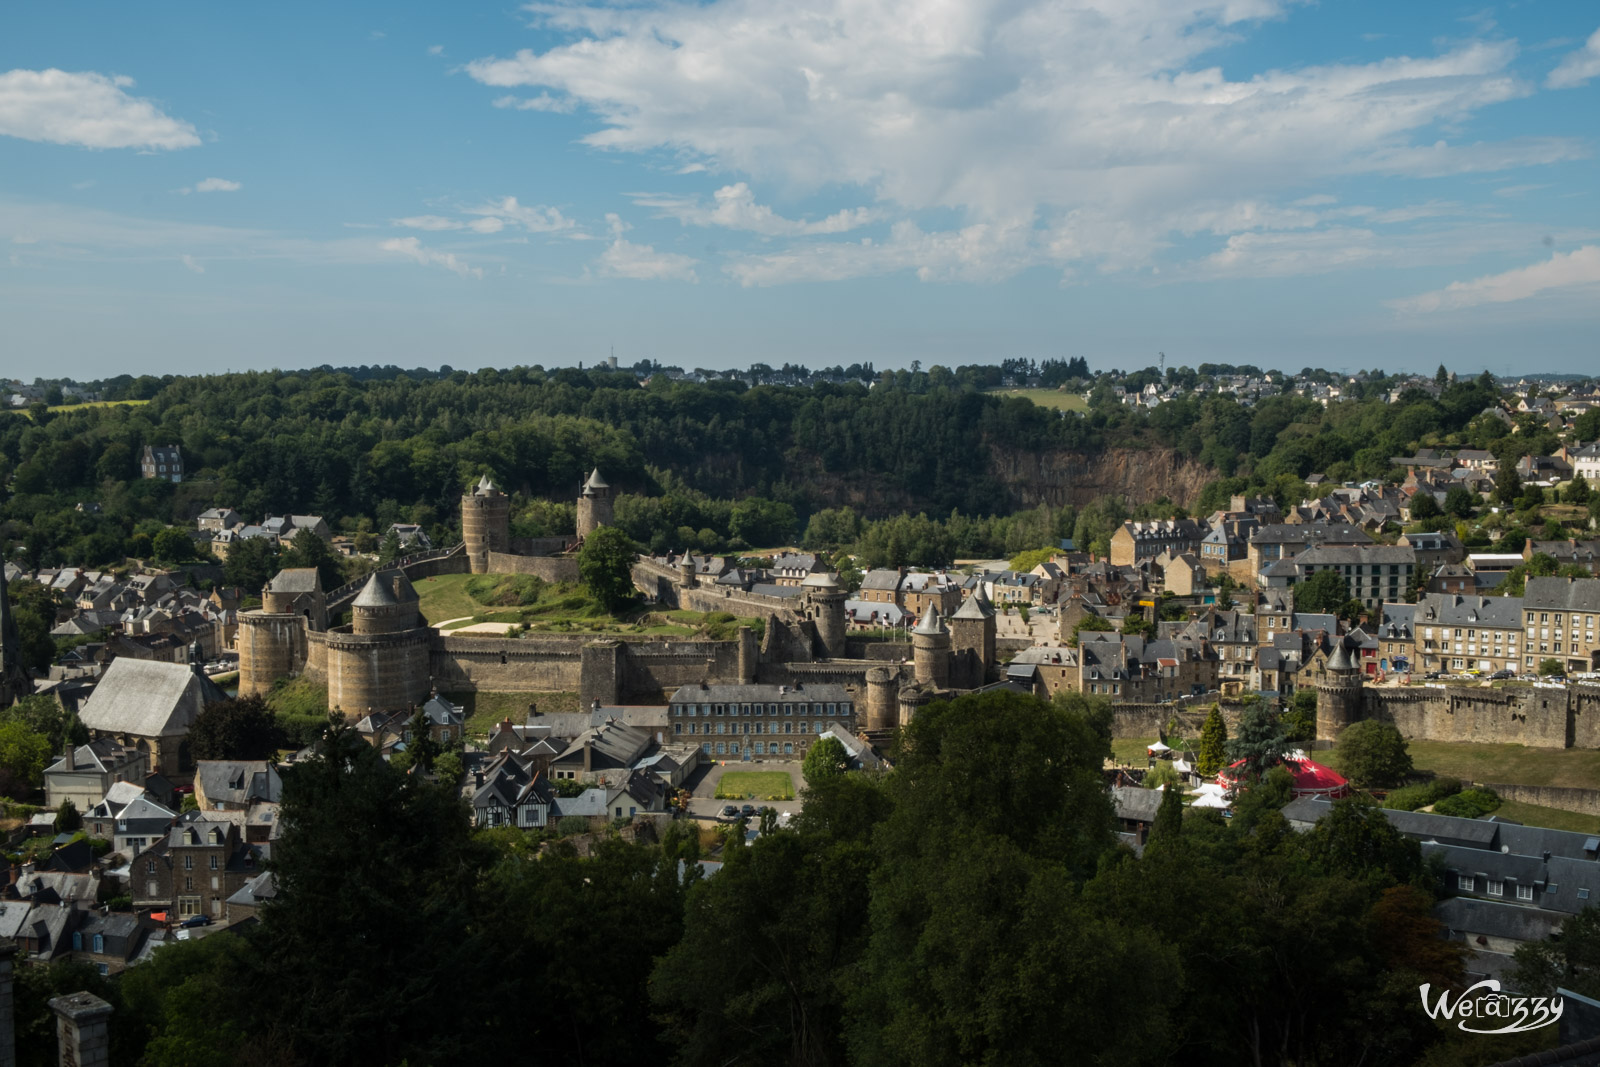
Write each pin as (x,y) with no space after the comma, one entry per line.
(69,757)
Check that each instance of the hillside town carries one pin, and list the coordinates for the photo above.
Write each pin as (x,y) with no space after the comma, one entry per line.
(1453,601)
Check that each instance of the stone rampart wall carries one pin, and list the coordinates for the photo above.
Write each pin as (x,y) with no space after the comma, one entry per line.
(1582,801)
(550,568)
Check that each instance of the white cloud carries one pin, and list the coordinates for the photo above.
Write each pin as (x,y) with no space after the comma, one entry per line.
(735,207)
(217,185)
(85,108)
(436,49)
(1579,269)
(494,217)
(542,102)
(1577,68)
(191,263)
(1093,118)
(624,259)
(533,218)
(428,222)
(429,257)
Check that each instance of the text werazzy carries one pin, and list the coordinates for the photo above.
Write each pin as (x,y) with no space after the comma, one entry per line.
(1484,1003)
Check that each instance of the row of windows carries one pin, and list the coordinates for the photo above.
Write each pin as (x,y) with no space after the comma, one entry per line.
(1496,888)
(802,708)
(758,728)
(759,748)
(1544,617)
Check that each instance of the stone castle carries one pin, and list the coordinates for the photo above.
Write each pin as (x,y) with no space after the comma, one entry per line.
(1536,716)
(387,659)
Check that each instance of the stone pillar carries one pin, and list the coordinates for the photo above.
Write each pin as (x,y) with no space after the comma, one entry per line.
(83,1033)
(8,1021)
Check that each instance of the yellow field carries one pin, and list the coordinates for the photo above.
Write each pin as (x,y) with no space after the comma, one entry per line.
(1048,398)
(98,404)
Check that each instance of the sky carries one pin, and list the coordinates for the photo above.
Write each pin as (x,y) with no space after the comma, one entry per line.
(190,187)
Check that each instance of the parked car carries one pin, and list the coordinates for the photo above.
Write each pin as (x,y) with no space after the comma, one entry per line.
(1433,674)
(196,920)
(729,811)
(748,811)
(1502,673)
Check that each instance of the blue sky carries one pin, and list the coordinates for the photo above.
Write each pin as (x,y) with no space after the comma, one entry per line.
(189,187)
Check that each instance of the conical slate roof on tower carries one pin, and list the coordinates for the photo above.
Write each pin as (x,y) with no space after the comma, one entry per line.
(595,481)
(820,580)
(931,624)
(1340,660)
(375,594)
(485,486)
(976,606)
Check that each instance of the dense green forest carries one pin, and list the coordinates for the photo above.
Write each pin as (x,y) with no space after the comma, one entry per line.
(970,906)
(715,465)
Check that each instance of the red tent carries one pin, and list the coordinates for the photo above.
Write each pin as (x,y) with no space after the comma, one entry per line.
(1311,779)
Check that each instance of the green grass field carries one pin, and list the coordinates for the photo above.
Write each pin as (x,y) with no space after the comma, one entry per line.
(1516,764)
(483,710)
(566,609)
(1131,749)
(1048,398)
(763,785)
(1550,818)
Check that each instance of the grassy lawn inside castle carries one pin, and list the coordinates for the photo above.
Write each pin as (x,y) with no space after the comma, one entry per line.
(458,600)
(1512,764)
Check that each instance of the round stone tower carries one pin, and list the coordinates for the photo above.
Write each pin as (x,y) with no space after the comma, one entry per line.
(594,505)
(883,698)
(376,610)
(912,699)
(1339,694)
(686,574)
(972,630)
(930,650)
(824,601)
(485,524)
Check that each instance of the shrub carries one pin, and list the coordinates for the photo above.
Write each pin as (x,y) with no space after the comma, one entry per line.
(1413,797)
(571,824)
(1470,804)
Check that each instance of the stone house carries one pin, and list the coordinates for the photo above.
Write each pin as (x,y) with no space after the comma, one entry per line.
(235,785)
(1569,553)
(1374,573)
(759,721)
(1181,575)
(215,520)
(1268,544)
(149,707)
(1433,550)
(1559,623)
(1396,633)
(85,773)
(1135,542)
(162,461)
(194,868)
(1456,633)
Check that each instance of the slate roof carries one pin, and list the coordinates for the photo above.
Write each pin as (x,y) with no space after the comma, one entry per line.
(595,481)
(931,624)
(375,594)
(976,606)
(295,580)
(102,755)
(763,694)
(1493,918)
(1453,609)
(1562,594)
(883,578)
(1397,622)
(1135,803)
(148,699)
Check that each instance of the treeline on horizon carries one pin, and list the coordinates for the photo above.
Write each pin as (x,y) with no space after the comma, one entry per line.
(970,906)
(735,467)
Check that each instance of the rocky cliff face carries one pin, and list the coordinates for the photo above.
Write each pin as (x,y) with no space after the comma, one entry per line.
(1033,478)
(1135,474)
